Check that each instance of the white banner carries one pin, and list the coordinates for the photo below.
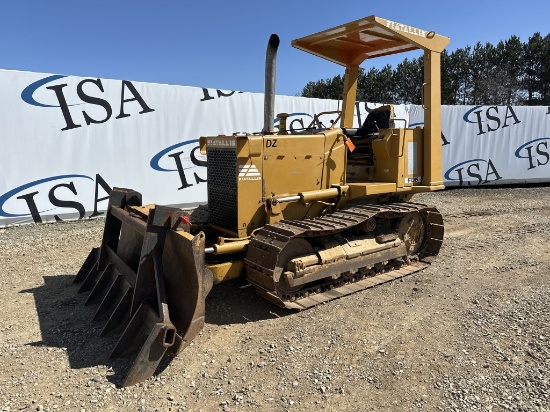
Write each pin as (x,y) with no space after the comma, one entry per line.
(66,141)
(484,145)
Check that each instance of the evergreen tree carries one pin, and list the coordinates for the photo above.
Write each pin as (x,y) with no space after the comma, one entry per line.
(377,85)
(532,77)
(509,73)
(325,89)
(407,81)
(455,72)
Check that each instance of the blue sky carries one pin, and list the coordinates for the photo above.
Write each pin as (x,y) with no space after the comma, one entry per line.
(221,44)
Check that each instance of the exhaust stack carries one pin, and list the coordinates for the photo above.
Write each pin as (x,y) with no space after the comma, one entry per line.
(269,96)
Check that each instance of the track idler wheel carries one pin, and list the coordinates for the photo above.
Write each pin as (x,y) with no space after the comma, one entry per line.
(412,230)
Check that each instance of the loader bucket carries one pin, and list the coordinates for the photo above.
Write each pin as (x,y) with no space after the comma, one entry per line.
(149,279)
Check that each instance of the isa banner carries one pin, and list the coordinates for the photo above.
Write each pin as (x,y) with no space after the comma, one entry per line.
(493,145)
(67,141)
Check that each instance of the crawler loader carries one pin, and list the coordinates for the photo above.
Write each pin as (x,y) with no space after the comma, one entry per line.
(306,215)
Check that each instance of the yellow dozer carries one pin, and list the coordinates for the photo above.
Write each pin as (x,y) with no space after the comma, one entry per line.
(306,215)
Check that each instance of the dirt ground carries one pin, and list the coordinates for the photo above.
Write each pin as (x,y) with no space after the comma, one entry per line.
(471,332)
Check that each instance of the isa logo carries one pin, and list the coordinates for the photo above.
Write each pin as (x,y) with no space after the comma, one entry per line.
(444,140)
(536,152)
(473,172)
(64,194)
(492,118)
(218,95)
(90,94)
(185,159)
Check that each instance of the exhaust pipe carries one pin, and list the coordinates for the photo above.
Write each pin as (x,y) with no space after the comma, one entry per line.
(269,96)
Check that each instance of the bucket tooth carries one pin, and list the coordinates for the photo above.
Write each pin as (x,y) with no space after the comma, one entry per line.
(150,277)
(150,337)
(119,315)
(91,279)
(111,299)
(102,285)
(116,303)
(89,263)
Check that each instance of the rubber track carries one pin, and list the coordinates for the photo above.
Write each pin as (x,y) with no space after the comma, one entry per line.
(269,241)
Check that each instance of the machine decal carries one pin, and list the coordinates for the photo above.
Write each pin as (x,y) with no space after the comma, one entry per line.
(406,29)
(222,142)
(249,172)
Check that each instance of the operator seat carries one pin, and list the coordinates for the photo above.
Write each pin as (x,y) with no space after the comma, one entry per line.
(379,118)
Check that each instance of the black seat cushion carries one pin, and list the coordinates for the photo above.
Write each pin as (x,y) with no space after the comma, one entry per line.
(380,118)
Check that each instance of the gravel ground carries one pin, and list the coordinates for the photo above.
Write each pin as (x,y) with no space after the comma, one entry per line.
(471,332)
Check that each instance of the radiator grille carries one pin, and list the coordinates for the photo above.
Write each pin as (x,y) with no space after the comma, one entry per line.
(222,187)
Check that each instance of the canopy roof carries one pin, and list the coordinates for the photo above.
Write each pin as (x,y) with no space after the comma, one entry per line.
(352,43)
